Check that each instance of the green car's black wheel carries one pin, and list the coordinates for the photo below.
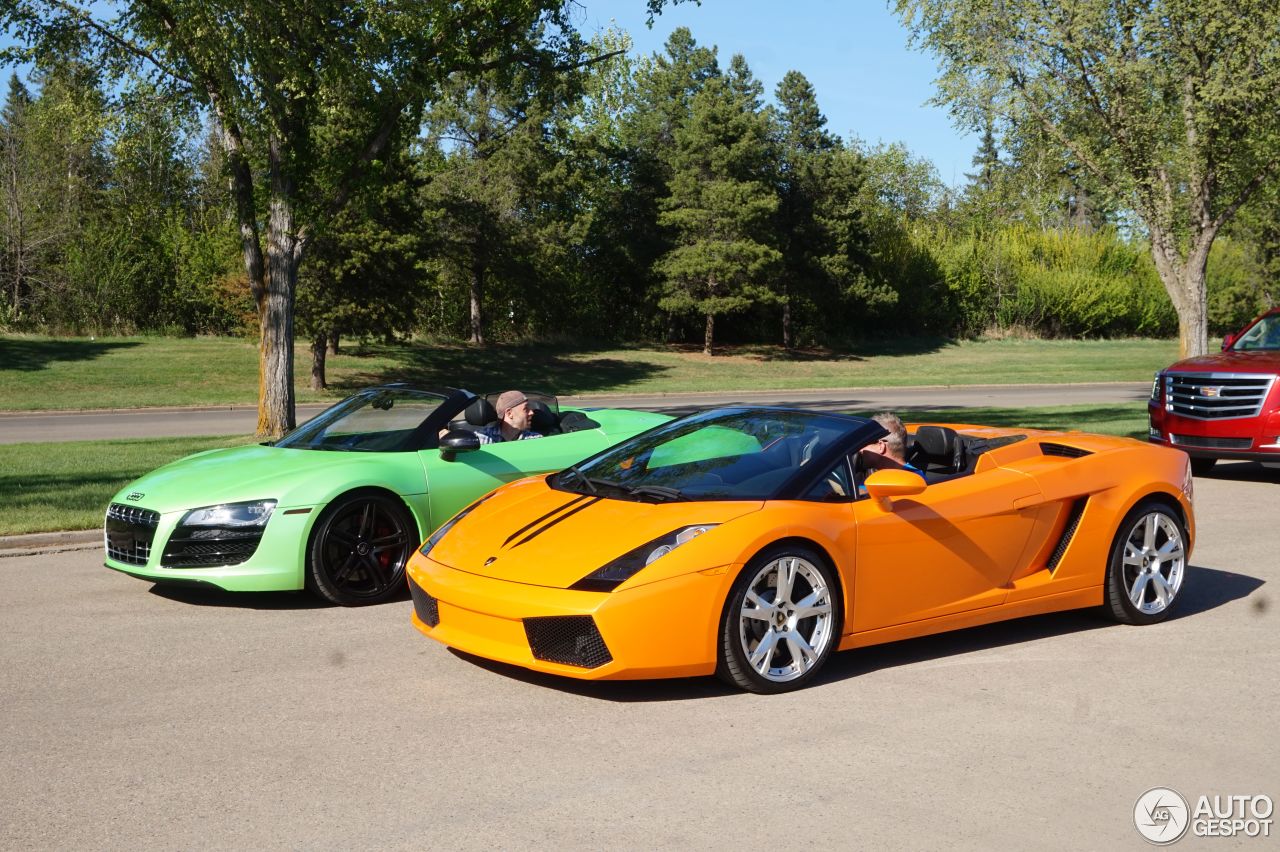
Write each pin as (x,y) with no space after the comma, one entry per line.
(359,549)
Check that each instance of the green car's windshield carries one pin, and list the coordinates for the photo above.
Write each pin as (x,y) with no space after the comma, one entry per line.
(379,420)
(730,454)
(1262,335)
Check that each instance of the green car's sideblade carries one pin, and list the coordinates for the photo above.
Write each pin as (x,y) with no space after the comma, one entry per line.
(303,482)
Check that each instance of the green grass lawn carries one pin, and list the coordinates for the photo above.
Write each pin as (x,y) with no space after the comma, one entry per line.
(42,373)
(1128,421)
(46,487)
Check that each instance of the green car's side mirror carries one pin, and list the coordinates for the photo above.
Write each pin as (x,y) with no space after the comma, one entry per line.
(458,441)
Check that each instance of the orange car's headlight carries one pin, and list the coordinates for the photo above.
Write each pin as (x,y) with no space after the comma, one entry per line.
(612,575)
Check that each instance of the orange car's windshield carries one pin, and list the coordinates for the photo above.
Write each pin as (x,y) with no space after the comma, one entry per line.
(732,454)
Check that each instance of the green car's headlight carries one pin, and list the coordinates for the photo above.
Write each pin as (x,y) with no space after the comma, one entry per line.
(618,571)
(235,515)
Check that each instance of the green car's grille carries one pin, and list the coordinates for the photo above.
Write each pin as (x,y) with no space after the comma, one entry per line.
(208,547)
(128,532)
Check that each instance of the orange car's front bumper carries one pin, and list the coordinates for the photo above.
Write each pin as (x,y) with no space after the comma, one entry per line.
(662,629)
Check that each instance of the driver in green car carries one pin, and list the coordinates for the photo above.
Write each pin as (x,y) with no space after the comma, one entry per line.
(514,419)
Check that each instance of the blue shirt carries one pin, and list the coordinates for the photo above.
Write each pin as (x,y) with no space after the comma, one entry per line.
(493,435)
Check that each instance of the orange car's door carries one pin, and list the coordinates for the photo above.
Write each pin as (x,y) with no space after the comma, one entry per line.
(949,549)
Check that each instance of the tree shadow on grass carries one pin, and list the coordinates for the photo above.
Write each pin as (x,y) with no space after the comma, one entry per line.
(900,346)
(827,354)
(31,355)
(555,368)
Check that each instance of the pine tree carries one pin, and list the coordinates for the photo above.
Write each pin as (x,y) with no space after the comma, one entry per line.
(14,266)
(720,205)
(803,154)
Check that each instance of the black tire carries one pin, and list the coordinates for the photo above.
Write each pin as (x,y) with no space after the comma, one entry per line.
(1202,467)
(359,549)
(778,667)
(1147,564)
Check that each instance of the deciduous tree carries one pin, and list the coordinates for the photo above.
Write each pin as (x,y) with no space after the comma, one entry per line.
(266,71)
(1172,102)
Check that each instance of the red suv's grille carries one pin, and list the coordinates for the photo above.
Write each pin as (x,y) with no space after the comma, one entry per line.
(1216,396)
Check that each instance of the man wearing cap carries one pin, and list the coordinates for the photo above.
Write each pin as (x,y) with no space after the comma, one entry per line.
(514,417)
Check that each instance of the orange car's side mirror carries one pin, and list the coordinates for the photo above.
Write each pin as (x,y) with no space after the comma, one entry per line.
(884,485)
(1227,341)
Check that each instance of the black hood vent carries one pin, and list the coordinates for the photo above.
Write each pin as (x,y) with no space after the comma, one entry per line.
(1063,450)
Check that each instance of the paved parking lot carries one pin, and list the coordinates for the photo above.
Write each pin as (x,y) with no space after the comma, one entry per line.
(140,718)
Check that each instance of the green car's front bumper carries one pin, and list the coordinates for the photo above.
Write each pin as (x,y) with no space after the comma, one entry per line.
(275,564)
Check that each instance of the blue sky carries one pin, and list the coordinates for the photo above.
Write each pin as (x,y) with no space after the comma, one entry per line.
(854,53)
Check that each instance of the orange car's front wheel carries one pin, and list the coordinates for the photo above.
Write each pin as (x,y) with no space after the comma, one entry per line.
(781,621)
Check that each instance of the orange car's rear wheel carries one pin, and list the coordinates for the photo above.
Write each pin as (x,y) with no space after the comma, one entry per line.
(1148,560)
(781,621)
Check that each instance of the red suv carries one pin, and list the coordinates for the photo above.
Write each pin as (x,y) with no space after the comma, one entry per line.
(1224,406)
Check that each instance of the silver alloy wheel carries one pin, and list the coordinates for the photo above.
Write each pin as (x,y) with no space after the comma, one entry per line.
(1154,559)
(785,621)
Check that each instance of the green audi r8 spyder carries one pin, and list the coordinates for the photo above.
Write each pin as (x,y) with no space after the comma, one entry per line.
(339,504)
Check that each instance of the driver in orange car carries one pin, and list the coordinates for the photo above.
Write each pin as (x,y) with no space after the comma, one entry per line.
(890,451)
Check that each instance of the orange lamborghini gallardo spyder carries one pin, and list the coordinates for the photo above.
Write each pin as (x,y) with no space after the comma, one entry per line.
(748,542)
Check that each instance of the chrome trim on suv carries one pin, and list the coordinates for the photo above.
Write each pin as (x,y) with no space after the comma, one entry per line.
(1216,396)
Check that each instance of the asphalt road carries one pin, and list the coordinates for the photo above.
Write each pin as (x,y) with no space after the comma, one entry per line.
(242,420)
(138,718)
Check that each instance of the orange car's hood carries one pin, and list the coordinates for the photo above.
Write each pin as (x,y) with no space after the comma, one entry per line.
(530,533)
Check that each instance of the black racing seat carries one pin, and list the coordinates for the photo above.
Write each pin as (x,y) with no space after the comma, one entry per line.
(544,421)
(938,450)
(480,412)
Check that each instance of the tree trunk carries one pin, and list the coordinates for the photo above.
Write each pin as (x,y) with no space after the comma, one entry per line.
(786,321)
(275,310)
(333,343)
(706,340)
(477,296)
(275,349)
(1193,313)
(1184,281)
(319,348)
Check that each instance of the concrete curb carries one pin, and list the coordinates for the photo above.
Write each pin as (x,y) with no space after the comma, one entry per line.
(50,542)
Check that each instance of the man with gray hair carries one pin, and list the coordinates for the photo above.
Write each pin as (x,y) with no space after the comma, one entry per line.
(890,450)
